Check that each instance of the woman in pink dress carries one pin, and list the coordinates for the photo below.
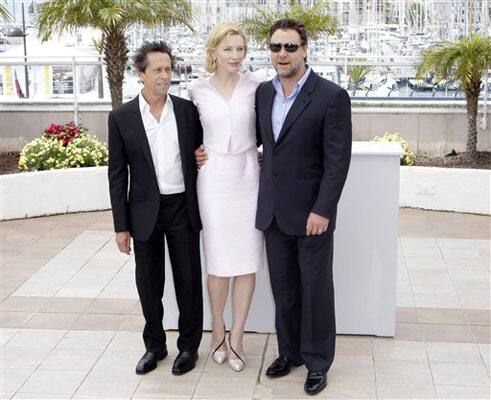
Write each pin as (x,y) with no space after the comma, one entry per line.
(227,186)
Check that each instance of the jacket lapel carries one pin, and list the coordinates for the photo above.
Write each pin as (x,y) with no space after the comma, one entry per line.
(301,102)
(141,134)
(266,105)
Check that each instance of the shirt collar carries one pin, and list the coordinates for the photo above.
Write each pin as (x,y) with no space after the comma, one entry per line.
(145,107)
(279,89)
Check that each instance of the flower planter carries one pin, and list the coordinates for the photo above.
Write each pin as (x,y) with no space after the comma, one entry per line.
(445,189)
(34,194)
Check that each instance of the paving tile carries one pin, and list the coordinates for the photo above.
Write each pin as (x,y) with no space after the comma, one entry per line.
(80,290)
(343,367)
(217,388)
(37,289)
(456,243)
(407,314)
(405,391)
(6,334)
(411,332)
(100,322)
(434,299)
(23,357)
(52,320)
(127,341)
(14,319)
(395,371)
(441,316)
(283,389)
(429,252)
(482,334)
(462,392)
(66,305)
(120,386)
(166,387)
(32,396)
(133,323)
(453,352)
(13,378)
(86,340)
(46,338)
(26,304)
(417,263)
(448,333)
(70,360)
(113,291)
(354,346)
(111,306)
(459,374)
(388,349)
(53,381)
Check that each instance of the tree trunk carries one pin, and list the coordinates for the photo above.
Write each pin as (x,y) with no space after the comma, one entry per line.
(116,58)
(472,97)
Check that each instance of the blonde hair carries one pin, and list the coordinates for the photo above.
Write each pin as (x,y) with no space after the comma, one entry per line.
(219,32)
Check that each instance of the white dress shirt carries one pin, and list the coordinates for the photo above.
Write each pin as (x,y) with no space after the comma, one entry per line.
(164,146)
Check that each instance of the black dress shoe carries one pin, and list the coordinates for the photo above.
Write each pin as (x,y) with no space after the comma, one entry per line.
(149,361)
(184,362)
(316,382)
(281,367)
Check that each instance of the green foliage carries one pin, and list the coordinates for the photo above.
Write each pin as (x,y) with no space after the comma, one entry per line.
(4,13)
(357,74)
(49,153)
(58,16)
(407,156)
(112,18)
(316,19)
(465,60)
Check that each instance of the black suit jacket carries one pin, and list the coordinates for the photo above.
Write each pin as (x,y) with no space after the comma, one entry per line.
(130,164)
(305,169)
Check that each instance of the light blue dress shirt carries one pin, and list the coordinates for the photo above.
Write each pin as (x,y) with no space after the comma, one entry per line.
(282,104)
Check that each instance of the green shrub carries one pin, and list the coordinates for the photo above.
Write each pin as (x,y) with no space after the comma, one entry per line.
(407,156)
(51,153)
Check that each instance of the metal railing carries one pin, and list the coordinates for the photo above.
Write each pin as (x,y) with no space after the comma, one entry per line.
(83,79)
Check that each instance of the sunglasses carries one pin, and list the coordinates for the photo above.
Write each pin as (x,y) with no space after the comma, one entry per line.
(289,47)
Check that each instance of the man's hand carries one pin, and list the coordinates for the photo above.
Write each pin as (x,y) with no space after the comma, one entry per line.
(123,240)
(316,224)
(260,158)
(200,156)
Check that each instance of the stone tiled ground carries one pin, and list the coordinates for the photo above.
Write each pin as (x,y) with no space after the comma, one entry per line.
(71,321)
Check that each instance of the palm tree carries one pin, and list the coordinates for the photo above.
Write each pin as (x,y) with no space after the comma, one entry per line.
(4,13)
(466,60)
(112,18)
(357,74)
(315,18)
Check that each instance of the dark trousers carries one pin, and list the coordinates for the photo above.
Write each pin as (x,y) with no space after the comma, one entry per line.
(300,269)
(183,245)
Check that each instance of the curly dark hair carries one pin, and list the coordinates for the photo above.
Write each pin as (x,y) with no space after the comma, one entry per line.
(293,24)
(140,60)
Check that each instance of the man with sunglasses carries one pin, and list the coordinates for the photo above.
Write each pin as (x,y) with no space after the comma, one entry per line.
(304,124)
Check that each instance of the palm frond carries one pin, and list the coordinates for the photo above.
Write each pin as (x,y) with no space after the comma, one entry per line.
(316,18)
(4,14)
(58,16)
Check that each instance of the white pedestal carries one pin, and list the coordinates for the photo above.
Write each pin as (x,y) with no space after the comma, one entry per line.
(365,252)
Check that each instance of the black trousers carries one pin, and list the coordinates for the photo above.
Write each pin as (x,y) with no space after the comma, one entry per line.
(183,244)
(300,269)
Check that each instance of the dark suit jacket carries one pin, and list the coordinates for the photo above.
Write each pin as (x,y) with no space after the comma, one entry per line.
(305,169)
(130,162)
